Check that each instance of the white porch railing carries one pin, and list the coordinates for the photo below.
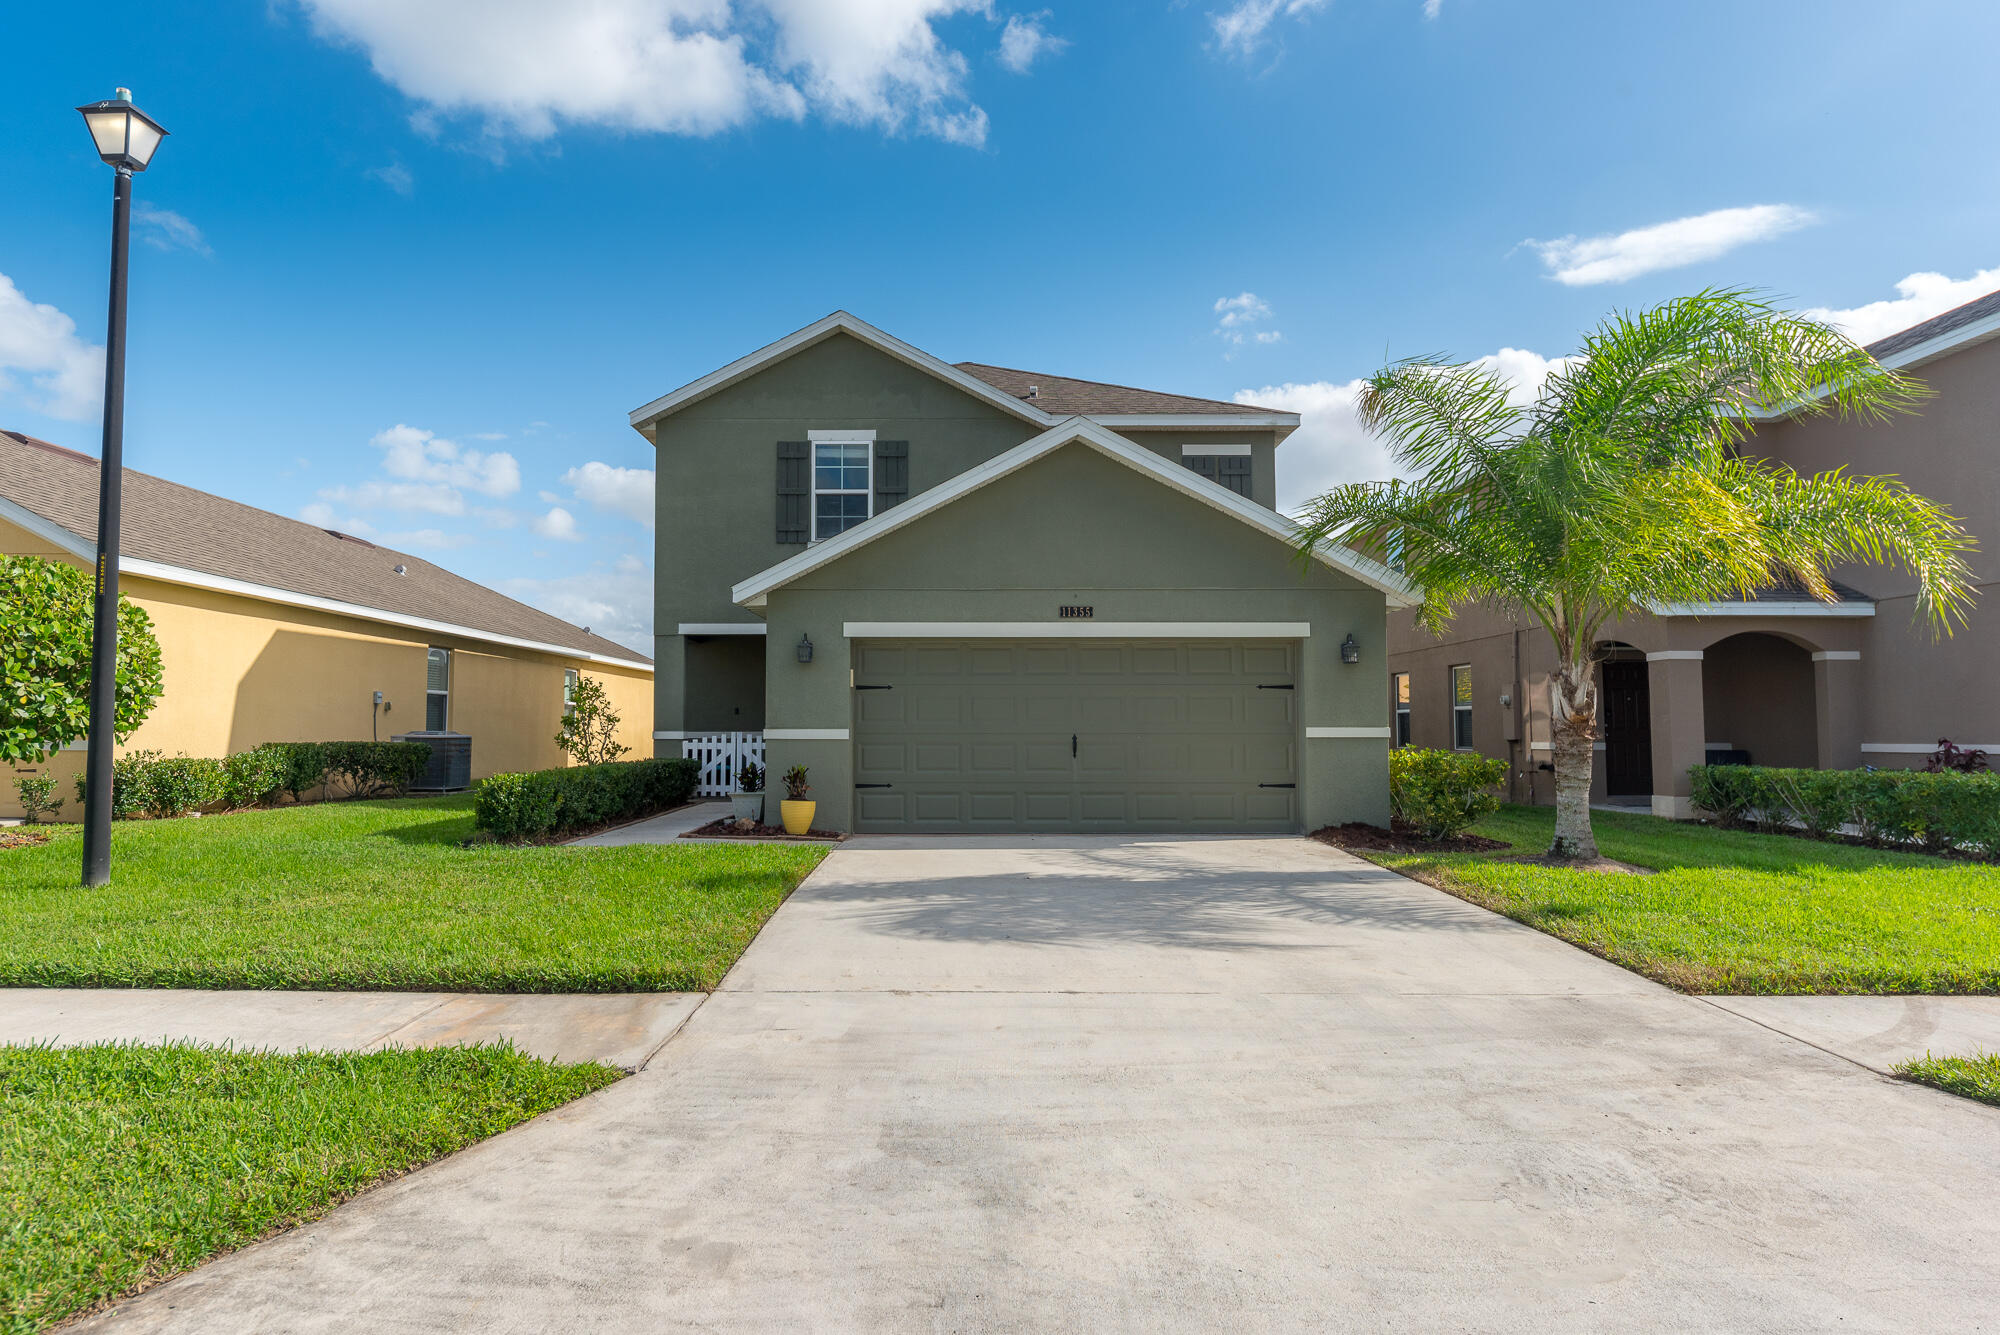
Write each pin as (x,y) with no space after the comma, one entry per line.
(721,755)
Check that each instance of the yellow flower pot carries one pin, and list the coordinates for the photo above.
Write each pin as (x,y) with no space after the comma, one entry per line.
(798,816)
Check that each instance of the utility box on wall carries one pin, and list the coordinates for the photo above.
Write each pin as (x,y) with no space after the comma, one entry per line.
(450,767)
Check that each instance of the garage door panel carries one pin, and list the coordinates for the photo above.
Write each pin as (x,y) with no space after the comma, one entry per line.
(977,736)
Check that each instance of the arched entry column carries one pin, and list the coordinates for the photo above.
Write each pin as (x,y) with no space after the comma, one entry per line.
(1837,701)
(1679,737)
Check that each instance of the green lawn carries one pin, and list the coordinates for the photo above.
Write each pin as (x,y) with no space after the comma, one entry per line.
(1730,911)
(379,896)
(1974,1077)
(124,1165)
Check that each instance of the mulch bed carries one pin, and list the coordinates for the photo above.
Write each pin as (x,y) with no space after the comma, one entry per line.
(12,837)
(1401,839)
(728,827)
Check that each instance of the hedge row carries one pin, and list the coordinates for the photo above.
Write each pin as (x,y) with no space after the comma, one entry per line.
(1911,808)
(559,801)
(1439,793)
(151,784)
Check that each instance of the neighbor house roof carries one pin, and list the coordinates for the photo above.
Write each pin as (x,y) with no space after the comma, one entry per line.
(1975,321)
(183,536)
(754,592)
(1092,398)
(1112,405)
(1784,596)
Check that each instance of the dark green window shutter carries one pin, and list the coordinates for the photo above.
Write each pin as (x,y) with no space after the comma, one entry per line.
(1201,463)
(794,491)
(1235,473)
(892,473)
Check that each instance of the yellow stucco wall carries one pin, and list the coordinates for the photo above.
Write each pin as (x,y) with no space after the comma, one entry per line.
(240,672)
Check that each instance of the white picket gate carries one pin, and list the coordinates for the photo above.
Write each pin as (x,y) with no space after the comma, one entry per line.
(721,755)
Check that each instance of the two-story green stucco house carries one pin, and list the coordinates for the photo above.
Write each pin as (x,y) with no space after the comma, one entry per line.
(973,599)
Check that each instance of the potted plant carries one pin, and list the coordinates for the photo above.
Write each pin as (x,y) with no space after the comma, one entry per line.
(796,809)
(747,802)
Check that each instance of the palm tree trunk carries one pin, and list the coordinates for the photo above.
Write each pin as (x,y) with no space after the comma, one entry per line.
(1575,729)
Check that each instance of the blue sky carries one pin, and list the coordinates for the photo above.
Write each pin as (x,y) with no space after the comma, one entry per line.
(409,262)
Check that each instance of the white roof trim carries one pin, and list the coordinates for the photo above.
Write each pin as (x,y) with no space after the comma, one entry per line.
(644,419)
(1792,609)
(720,628)
(16,513)
(1949,341)
(752,592)
(1076,630)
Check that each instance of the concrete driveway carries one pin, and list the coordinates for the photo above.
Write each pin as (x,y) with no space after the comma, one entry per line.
(1245,1084)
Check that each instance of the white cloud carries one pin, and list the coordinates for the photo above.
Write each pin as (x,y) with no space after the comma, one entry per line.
(163,229)
(423,456)
(1024,41)
(64,376)
(559,524)
(396,176)
(429,497)
(621,491)
(1240,29)
(322,515)
(615,603)
(1431,8)
(424,539)
(1667,245)
(526,68)
(1235,316)
(1331,447)
(1922,296)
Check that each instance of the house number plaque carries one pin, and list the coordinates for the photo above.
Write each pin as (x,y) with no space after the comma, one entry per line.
(1072,612)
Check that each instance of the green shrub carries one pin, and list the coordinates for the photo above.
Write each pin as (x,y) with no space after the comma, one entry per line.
(46,610)
(129,778)
(176,785)
(374,769)
(38,796)
(558,801)
(1938,812)
(254,776)
(305,766)
(1440,793)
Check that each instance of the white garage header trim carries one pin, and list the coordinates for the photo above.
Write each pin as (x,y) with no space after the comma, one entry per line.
(1076,630)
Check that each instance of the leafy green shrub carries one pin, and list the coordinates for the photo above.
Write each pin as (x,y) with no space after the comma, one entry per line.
(38,796)
(1726,792)
(750,779)
(1819,801)
(45,635)
(557,801)
(129,776)
(1938,812)
(374,769)
(254,776)
(305,766)
(1440,793)
(796,787)
(176,785)
(589,732)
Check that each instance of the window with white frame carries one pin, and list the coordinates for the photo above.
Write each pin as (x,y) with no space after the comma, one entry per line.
(569,690)
(843,481)
(1399,702)
(437,691)
(1461,706)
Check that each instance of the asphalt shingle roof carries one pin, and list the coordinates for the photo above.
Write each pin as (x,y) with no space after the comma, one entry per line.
(178,526)
(1067,397)
(1956,318)
(1789,590)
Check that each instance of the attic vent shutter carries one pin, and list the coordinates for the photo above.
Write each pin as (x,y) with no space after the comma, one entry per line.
(892,473)
(794,491)
(1235,473)
(1203,464)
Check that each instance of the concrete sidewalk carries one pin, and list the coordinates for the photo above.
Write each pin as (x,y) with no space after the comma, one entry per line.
(1878,1032)
(618,1029)
(665,828)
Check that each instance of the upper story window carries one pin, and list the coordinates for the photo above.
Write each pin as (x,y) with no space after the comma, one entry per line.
(1399,704)
(1461,706)
(569,690)
(843,481)
(437,691)
(1228,465)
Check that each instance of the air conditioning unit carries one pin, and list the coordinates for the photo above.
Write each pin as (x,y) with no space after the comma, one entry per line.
(450,767)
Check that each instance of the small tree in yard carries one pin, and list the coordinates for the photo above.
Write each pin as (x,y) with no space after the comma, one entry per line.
(45,633)
(589,734)
(1623,487)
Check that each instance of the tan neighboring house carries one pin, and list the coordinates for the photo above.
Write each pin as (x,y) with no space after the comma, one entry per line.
(1779,679)
(271,629)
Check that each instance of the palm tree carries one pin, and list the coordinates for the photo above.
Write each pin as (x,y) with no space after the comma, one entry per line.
(1623,487)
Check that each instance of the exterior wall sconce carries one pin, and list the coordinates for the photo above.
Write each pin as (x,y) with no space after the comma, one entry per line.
(1350,649)
(805,649)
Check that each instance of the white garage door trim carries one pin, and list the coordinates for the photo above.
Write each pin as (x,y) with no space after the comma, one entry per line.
(1077,630)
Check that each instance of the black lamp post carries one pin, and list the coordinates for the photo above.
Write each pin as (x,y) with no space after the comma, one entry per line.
(126,138)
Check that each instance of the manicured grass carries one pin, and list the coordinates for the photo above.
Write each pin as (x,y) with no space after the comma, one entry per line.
(127,1164)
(1730,911)
(378,896)
(1974,1077)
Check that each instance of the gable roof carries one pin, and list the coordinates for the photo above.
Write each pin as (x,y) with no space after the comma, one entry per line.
(1069,397)
(1974,322)
(1140,407)
(754,591)
(183,536)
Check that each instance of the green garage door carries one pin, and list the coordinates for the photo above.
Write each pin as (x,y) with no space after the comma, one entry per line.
(1075,736)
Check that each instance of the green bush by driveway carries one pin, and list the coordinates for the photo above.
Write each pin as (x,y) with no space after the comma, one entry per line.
(1730,911)
(379,895)
(127,1164)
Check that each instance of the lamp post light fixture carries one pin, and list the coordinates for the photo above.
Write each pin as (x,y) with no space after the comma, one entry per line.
(126,139)
(1350,649)
(805,649)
